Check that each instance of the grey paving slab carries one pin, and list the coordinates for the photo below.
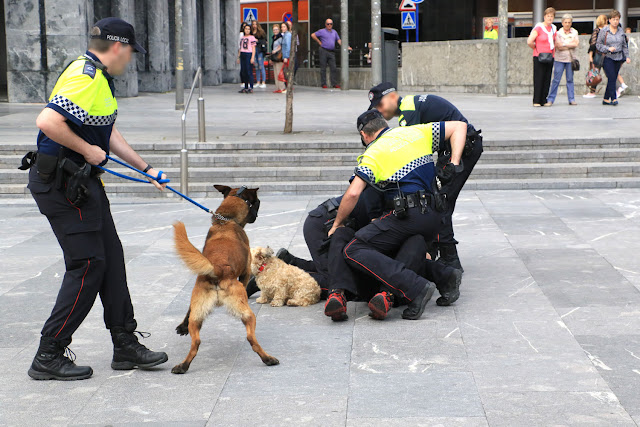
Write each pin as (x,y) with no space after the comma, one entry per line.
(544,308)
(553,408)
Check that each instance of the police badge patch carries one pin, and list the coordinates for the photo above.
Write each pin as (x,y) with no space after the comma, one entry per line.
(89,69)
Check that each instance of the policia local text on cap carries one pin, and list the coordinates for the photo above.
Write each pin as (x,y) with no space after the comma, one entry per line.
(77,131)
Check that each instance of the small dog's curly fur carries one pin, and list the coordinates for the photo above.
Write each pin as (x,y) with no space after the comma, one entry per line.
(282,283)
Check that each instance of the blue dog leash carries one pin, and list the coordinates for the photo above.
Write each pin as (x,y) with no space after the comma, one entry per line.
(155,178)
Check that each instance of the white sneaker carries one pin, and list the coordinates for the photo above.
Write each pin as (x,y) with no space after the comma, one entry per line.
(589,95)
(263,85)
(621,90)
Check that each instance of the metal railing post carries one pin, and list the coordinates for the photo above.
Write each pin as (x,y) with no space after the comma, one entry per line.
(184,153)
(202,135)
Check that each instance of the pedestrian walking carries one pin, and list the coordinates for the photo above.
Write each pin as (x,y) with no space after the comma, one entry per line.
(246,58)
(623,86)
(541,40)
(285,30)
(593,77)
(612,42)
(261,51)
(566,43)
(327,38)
(77,131)
(276,58)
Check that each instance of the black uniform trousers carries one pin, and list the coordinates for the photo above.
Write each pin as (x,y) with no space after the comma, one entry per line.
(372,252)
(452,190)
(93,257)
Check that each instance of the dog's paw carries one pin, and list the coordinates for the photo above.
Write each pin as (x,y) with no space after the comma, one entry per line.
(271,361)
(178,369)
(262,300)
(275,303)
(181,329)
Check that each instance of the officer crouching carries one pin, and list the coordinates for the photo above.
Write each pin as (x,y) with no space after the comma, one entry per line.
(77,131)
(399,162)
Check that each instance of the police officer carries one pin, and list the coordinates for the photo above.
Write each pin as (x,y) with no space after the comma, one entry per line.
(77,131)
(412,110)
(399,162)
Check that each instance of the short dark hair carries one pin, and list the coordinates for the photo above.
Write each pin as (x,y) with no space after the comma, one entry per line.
(375,125)
(614,14)
(99,45)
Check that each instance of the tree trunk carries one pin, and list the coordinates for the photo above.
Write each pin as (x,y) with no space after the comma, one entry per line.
(288,121)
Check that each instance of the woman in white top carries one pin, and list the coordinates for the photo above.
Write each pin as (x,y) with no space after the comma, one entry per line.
(566,42)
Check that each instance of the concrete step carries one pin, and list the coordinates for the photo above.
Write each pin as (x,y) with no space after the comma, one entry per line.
(342,143)
(199,189)
(267,174)
(210,159)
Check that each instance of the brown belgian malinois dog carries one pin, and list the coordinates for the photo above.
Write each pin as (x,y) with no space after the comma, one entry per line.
(223,268)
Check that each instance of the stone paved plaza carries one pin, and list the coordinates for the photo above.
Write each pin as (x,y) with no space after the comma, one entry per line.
(547,331)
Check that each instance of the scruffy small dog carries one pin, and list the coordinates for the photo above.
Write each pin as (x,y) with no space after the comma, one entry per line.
(282,283)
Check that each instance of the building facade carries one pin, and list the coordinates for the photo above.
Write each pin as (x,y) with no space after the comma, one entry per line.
(38,38)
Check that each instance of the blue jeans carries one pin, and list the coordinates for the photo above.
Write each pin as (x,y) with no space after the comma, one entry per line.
(558,70)
(261,73)
(611,69)
(246,70)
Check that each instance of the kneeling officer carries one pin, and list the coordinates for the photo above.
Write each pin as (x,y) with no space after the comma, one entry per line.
(399,162)
(76,131)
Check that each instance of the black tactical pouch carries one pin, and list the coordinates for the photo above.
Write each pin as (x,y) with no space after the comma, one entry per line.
(76,182)
(46,166)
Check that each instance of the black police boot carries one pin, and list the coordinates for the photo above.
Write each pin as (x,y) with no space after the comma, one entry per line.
(51,363)
(449,255)
(252,287)
(416,307)
(380,305)
(336,306)
(450,290)
(128,353)
(284,255)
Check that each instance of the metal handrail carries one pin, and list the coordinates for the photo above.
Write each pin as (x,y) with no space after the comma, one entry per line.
(184,153)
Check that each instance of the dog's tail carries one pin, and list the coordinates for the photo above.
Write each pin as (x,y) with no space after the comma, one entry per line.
(191,256)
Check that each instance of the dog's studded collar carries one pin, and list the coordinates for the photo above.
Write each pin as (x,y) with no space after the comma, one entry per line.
(261,269)
(220,217)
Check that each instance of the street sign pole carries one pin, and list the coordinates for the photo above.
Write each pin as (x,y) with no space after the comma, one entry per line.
(417,22)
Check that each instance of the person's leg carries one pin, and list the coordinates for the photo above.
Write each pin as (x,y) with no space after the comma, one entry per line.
(277,68)
(250,70)
(343,281)
(558,69)
(537,81)
(323,66)
(333,69)
(570,88)
(314,235)
(616,70)
(546,83)
(609,69)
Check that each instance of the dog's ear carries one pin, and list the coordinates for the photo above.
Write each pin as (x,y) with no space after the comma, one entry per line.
(268,252)
(225,190)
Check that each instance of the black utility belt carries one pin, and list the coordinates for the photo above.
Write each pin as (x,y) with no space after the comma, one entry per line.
(401,203)
(331,206)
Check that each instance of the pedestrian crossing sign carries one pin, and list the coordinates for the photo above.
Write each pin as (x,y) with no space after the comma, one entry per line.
(409,20)
(250,14)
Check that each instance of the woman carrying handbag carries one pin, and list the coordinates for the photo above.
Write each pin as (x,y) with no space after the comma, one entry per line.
(564,63)
(541,40)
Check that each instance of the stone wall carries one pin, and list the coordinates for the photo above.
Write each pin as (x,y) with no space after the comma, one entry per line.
(43,36)
(359,78)
(471,66)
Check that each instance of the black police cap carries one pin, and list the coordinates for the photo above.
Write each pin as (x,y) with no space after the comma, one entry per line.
(377,92)
(366,117)
(118,30)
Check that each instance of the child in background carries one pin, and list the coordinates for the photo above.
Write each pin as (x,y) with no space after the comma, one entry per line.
(246,58)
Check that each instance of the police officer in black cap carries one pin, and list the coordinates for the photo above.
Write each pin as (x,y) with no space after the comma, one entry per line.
(420,109)
(76,132)
(398,162)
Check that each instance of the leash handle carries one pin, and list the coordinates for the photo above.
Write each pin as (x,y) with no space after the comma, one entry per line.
(158,179)
(155,178)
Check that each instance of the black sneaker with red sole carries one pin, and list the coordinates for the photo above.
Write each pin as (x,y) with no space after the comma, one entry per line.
(380,305)
(336,307)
